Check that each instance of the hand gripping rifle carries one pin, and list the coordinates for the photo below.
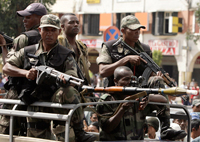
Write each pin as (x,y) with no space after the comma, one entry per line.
(151,66)
(44,71)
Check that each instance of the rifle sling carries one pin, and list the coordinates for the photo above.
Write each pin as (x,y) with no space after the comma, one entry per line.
(132,97)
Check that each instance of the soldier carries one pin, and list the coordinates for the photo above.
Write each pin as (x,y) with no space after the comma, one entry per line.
(32,15)
(70,25)
(49,51)
(113,54)
(128,122)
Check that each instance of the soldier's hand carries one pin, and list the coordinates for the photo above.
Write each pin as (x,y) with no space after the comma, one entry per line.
(60,81)
(126,106)
(143,103)
(2,40)
(135,60)
(31,74)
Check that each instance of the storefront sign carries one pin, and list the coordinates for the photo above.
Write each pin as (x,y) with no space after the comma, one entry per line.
(94,43)
(168,47)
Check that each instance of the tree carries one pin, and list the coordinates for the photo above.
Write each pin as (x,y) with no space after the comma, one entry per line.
(157,57)
(189,34)
(10,23)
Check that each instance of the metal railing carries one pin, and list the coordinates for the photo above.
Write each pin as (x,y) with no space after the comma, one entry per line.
(66,117)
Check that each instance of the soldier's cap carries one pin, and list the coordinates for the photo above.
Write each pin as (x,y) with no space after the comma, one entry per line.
(34,8)
(50,20)
(153,122)
(131,22)
(196,102)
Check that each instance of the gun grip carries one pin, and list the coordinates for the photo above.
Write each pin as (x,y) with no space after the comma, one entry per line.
(41,77)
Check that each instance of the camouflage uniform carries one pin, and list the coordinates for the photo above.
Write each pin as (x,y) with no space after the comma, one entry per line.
(82,60)
(105,57)
(60,96)
(83,63)
(130,126)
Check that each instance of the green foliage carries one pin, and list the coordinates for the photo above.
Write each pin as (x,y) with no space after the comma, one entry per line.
(189,34)
(10,23)
(157,57)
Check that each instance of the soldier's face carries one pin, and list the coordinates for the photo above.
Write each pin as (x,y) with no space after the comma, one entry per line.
(31,21)
(131,35)
(125,80)
(49,35)
(71,25)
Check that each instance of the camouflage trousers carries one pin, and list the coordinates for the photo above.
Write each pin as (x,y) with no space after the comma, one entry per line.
(163,112)
(19,122)
(68,95)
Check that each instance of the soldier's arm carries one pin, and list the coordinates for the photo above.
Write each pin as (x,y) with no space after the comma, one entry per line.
(157,98)
(106,67)
(114,121)
(14,65)
(19,42)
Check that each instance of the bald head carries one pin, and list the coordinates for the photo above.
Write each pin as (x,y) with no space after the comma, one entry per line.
(66,17)
(121,71)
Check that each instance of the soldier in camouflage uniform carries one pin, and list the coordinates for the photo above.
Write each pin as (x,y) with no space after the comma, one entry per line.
(128,122)
(50,51)
(32,15)
(113,54)
(70,25)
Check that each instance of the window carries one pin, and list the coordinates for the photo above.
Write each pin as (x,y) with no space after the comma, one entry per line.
(166,23)
(119,18)
(91,24)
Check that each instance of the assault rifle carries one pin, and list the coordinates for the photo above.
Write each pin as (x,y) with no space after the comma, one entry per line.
(9,41)
(151,66)
(44,71)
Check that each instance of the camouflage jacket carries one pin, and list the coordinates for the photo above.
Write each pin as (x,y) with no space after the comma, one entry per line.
(130,126)
(82,60)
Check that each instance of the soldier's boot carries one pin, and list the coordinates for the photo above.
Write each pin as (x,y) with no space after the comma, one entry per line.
(167,133)
(81,135)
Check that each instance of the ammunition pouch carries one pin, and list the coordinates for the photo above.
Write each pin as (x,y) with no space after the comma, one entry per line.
(26,92)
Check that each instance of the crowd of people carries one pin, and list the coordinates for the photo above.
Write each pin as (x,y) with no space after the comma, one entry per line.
(42,44)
